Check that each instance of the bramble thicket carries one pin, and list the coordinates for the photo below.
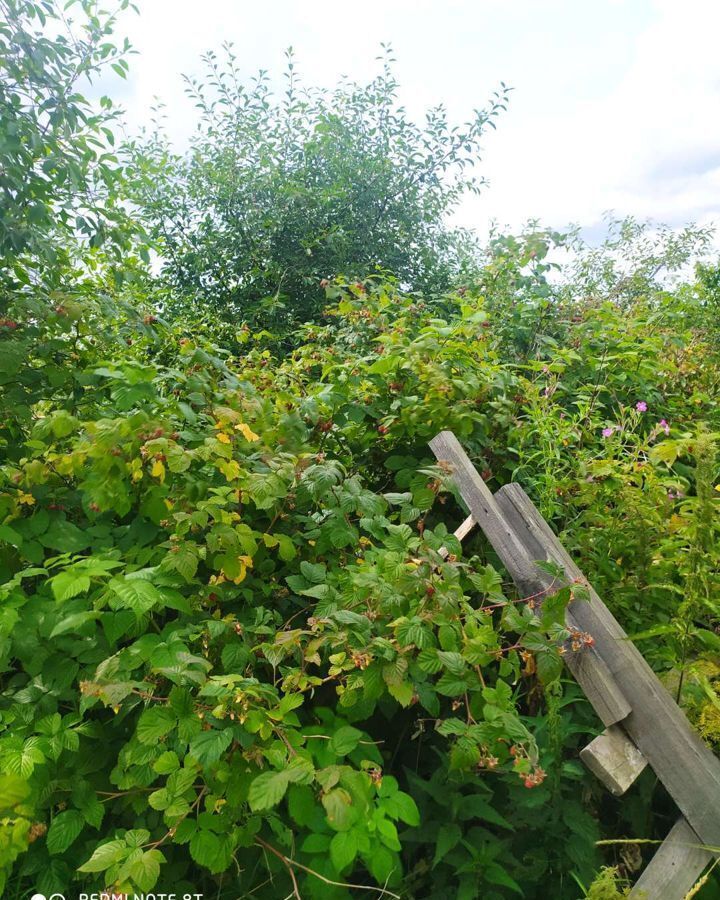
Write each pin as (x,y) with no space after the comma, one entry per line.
(234,660)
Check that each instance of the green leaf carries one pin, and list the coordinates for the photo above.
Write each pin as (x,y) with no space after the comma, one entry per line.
(21,760)
(145,871)
(300,770)
(338,809)
(402,806)
(301,804)
(388,834)
(9,536)
(345,740)
(155,723)
(211,850)
(64,537)
(135,594)
(314,572)
(429,661)
(343,849)
(450,685)
(316,843)
(166,763)
(69,584)
(452,661)
(208,746)
(381,864)
(403,692)
(267,790)
(448,837)
(64,828)
(74,622)
(476,807)
(105,856)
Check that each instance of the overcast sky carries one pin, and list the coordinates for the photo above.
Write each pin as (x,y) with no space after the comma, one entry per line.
(616,103)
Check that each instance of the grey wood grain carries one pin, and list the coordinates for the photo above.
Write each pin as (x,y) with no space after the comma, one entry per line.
(676,866)
(587,666)
(518,552)
(614,759)
(657,726)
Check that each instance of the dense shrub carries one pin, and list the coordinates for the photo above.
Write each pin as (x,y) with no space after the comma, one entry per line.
(231,645)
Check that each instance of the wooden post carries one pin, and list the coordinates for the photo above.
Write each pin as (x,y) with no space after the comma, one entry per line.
(675,868)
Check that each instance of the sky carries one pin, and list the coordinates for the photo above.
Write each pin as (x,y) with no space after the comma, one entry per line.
(615,103)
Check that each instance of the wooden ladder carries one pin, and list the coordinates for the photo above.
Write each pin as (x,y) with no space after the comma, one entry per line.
(643,724)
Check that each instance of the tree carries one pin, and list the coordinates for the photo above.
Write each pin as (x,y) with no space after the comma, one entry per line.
(276,194)
(58,174)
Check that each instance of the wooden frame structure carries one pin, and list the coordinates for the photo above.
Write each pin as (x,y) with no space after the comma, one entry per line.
(643,724)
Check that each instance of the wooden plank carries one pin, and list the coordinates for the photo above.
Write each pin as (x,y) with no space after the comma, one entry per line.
(614,759)
(464,528)
(657,726)
(676,866)
(483,508)
(588,668)
(461,532)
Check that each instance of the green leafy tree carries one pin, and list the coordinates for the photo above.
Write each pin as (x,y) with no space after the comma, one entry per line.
(276,194)
(58,175)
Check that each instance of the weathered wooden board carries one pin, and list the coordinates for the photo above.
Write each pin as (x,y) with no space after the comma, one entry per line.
(657,726)
(676,866)
(614,759)
(588,668)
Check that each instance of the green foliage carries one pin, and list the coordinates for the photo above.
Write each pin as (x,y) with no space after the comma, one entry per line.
(59,182)
(224,594)
(605,886)
(277,193)
(242,652)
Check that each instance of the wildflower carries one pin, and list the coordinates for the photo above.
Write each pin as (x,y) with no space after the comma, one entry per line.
(608,432)
(664,425)
(641,406)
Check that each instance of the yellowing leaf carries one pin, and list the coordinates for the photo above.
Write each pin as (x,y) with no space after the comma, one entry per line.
(27,499)
(137,475)
(245,564)
(247,432)
(158,469)
(230,469)
(223,438)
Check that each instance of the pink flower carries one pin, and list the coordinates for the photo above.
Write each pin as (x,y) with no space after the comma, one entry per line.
(641,406)
(608,432)
(664,425)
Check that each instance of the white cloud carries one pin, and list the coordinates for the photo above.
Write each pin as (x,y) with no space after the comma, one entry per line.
(616,103)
